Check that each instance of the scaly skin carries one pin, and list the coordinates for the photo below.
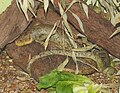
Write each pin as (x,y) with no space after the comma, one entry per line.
(40,32)
(90,55)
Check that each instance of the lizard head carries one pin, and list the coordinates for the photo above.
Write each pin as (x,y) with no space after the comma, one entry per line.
(24,40)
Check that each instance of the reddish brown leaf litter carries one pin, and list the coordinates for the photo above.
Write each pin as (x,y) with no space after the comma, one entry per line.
(13,80)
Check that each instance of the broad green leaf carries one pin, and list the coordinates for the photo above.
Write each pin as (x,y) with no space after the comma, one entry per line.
(62,66)
(85,8)
(80,89)
(66,76)
(64,87)
(79,21)
(4,4)
(94,88)
(46,4)
(63,82)
(48,80)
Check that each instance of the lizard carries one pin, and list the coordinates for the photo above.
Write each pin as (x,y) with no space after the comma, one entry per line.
(86,54)
(39,33)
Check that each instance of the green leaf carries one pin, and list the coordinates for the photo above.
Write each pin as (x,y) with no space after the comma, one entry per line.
(48,80)
(51,90)
(62,81)
(65,76)
(64,87)
(94,88)
(80,89)
(4,4)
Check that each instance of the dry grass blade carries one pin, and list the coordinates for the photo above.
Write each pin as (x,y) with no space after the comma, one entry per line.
(18,3)
(63,14)
(116,32)
(70,37)
(79,60)
(85,8)
(46,4)
(31,3)
(51,32)
(52,2)
(74,1)
(75,60)
(62,66)
(79,21)
(25,6)
(31,10)
(66,25)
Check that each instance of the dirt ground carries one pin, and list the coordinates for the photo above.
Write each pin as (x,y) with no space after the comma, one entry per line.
(13,80)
